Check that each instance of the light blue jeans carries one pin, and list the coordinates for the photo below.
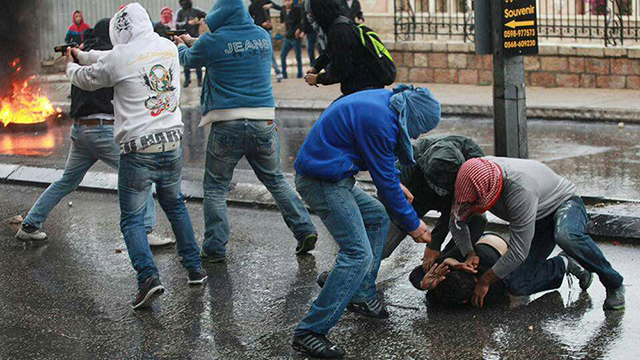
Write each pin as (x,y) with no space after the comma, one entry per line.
(274,63)
(229,141)
(136,174)
(359,224)
(88,145)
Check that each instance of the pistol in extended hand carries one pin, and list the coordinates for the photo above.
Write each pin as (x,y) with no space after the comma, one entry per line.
(63,48)
(176,32)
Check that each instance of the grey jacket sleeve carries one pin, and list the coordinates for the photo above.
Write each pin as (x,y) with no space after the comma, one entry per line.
(522,207)
(461,235)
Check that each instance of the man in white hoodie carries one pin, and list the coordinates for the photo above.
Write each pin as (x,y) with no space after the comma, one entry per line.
(143,69)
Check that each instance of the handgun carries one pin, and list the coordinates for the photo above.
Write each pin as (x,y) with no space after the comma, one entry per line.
(176,32)
(63,48)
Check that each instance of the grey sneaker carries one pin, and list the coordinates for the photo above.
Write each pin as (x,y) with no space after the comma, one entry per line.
(585,278)
(197,277)
(615,299)
(28,232)
(279,77)
(206,259)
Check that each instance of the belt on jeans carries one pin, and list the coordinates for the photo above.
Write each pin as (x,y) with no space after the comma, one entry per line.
(158,148)
(93,122)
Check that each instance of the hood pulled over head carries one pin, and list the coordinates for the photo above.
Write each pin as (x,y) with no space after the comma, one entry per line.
(228,13)
(98,38)
(325,12)
(130,23)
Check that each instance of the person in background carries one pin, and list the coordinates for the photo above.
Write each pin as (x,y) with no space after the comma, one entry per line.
(345,60)
(354,10)
(166,18)
(261,17)
(368,130)
(91,140)
(291,15)
(75,33)
(237,100)
(312,37)
(148,128)
(189,18)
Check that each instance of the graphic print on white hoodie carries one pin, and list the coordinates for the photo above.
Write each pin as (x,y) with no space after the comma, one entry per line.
(143,69)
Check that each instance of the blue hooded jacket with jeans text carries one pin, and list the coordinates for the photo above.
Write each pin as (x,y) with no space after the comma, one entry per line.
(237,55)
(359,133)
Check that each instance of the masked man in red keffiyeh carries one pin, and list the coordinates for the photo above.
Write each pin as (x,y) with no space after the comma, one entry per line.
(543,211)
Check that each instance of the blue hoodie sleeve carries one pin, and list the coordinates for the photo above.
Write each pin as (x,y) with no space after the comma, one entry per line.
(377,151)
(195,56)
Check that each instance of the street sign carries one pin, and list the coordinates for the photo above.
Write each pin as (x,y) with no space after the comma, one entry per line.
(519,27)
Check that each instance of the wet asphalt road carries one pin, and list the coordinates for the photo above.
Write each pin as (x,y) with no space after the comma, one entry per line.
(602,159)
(68,298)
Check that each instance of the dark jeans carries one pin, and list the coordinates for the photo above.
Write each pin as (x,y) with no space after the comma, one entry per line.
(136,174)
(565,228)
(187,74)
(312,42)
(296,44)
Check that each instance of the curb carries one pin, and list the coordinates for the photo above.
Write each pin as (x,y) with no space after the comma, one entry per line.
(602,226)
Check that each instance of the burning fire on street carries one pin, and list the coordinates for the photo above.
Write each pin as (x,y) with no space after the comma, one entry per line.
(27,104)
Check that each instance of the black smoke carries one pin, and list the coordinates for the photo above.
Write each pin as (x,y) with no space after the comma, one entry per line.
(19,26)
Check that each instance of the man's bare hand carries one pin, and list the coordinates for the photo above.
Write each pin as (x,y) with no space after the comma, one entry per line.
(477,299)
(429,258)
(267,6)
(472,261)
(407,194)
(421,234)
(434,276)
(71,55)
(311,79)
(312,71)
(457,265)
(186,39)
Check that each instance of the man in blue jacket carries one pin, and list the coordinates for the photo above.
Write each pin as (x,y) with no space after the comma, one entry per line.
(364,131)
(237,100)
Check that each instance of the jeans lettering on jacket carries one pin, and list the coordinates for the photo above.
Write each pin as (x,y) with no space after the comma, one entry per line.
(239,47)
(148,140)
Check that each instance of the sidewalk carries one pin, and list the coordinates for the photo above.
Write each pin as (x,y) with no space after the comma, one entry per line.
(468,100)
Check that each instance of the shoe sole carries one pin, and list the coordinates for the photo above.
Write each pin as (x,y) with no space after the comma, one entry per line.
(162,246)
(28,237)
(206,260)
(303,350)
(198,282)
(148,300)
(307,245)
(619,307)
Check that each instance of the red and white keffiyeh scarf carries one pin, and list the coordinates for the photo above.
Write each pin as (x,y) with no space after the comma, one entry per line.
(478,186)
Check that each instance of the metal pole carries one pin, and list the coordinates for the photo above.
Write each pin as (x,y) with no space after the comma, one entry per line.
(509,101)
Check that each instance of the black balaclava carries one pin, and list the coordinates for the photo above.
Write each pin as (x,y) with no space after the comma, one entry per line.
(188,4)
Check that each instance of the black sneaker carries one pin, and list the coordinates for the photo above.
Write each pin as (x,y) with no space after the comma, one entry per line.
(306,245)
(197,277)
(585,278)
(615,299)
(149,291)
(206,259)
(372,308)
(186,83)
(317,345)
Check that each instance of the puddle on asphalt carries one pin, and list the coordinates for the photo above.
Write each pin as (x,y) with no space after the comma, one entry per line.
(601,158)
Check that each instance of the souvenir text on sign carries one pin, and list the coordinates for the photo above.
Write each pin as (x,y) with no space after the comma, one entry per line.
(520,27)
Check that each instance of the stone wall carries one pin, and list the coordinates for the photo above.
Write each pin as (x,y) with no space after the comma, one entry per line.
(577,66)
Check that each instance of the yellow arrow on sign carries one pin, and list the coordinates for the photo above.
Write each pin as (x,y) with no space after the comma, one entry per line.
(514,24)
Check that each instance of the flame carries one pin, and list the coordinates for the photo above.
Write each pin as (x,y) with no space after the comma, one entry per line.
(27,104)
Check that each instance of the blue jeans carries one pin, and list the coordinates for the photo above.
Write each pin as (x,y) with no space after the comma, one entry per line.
(274,63)
(137,172)
(359,224)
(187,74)
(228,142)
(565,228)
(88,145)
(296,44)
(312,42)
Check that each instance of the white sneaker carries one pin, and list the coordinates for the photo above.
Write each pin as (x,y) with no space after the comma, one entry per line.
(155,240)
(279,77)
(34,235)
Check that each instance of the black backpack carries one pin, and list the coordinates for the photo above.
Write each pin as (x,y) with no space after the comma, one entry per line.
(382,65)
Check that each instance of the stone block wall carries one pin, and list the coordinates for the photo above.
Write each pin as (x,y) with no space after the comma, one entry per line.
(555,66)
